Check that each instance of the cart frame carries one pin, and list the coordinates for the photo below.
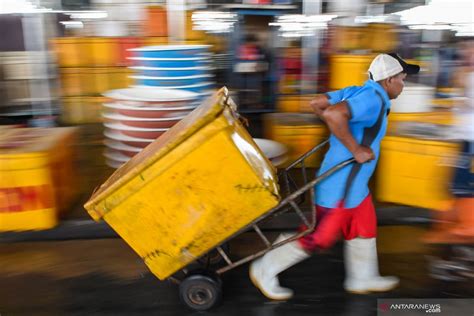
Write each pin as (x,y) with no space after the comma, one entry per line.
(201,289)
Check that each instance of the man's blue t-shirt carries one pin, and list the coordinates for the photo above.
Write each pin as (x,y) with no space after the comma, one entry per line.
(365,104)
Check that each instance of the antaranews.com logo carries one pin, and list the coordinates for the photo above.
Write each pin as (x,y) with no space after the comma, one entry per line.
(415,307)
(427,308)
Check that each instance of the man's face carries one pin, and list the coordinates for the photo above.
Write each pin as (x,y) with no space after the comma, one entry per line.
(395,85)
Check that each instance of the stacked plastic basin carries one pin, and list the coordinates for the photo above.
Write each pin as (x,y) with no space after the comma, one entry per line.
(135,117)
(171,81)
(184,67)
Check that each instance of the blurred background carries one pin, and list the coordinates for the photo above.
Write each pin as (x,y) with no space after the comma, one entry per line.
(66,123)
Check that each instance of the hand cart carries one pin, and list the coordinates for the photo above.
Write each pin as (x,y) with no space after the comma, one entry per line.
(176,204)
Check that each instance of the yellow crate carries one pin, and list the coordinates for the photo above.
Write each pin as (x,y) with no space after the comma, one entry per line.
(82,110)
(438,117)
(299,132)
(349,38)
(191,189)
(192,34)
(118,77)
(295,103)
(71,51)
(36,177)
(100,77)
(72,110)
(415,172)
(348,70)
(155,40)
(74,82)
(104,51)
(92,107)
(377,31)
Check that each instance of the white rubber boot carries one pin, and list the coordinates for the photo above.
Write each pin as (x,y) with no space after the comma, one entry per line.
(362,269)
(264,270)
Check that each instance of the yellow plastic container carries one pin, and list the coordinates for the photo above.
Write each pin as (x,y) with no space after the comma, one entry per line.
(349,38)
(71,51)
(348,70)
(415,172)
(88,80)
(92,107)
(190,190)
(82,110)
(438,117)
(155,40)
(118,77)
(73,82)
(105,51)
(100,79)
(72,110)
(36,177)
(192,34)
(382,37)
(295,103)
(299,132)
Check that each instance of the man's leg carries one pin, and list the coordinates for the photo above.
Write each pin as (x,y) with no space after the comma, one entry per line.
(330,224)
(264,271)
(360,253)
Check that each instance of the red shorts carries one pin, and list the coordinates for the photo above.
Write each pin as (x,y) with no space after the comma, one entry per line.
(351,223)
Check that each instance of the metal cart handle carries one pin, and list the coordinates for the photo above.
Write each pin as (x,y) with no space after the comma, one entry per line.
(288,201)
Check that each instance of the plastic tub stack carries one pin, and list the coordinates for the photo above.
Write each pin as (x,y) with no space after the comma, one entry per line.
(135,117)
(171,82)
(93,59)
(183,67)
(89,67)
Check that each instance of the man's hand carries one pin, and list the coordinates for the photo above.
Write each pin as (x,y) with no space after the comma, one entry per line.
(363,154)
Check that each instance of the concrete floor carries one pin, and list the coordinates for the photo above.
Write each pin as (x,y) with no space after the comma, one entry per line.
(105,277)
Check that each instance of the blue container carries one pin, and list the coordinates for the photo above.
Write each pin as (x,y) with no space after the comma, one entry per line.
(171,51)
(201,88)
(171,82)
(172,72)
(171,62)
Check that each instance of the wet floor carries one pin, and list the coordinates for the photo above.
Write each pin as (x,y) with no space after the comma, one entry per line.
(105,277)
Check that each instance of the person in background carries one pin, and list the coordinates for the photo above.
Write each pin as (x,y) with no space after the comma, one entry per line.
(456,225)
(251,66)
(357,119)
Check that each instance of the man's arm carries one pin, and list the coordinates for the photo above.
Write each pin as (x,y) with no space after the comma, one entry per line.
(319,104)
(337,119)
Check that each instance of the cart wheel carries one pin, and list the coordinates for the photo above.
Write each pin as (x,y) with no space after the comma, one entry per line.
(200,292)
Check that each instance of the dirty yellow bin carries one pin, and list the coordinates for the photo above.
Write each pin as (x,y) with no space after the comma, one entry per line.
(191,189)
(381,37)
(71,51)
(72,110)
(192,34)
(36,177)
(104,51)
(295,103)
(415,172)
(348,70)
(300,132)
(100,79)
(435,117)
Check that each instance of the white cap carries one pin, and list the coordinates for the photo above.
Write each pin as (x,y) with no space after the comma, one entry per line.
(384,66)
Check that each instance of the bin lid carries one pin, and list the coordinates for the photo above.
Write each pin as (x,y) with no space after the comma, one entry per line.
(210,109)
